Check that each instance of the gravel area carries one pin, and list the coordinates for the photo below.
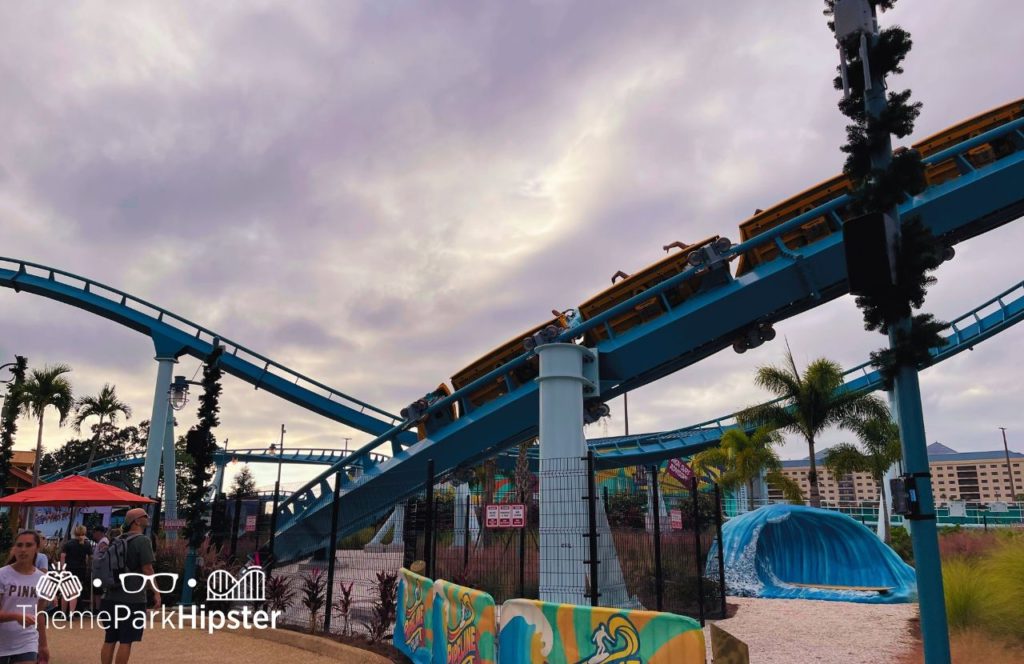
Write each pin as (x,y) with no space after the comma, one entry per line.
(789,631)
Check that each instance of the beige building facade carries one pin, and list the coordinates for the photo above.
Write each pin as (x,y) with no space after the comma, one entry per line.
(981,477)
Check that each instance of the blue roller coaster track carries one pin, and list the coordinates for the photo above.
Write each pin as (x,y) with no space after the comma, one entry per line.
(979,199)
(981,323)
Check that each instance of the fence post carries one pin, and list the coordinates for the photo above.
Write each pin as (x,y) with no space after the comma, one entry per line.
(332,553)
(591,499)
(697,548)
(465,543)
(721,547)
(434,538)
(984,521)
(658,580)
(522,545)
(604,496)
(428,526)
(234,525)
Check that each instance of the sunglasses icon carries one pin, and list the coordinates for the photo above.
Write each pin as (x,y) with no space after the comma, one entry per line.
(134,582)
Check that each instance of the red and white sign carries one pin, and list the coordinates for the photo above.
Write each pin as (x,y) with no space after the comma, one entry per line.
(678,469)
(250,524)
(505,516)
(174,524)
(675,519)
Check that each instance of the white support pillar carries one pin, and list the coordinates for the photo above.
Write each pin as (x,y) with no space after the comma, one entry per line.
(563,479)
(218,480)
(170,476)
(157,425)
(459,536)
(662,511)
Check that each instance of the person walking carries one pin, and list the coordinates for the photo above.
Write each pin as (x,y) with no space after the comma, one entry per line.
(100,544)
(75,558)
(22,639)
(130,593)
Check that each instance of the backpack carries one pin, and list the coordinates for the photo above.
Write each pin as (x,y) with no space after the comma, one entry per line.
(109,563)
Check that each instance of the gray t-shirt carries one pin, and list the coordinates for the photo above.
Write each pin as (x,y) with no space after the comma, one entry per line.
(140,552)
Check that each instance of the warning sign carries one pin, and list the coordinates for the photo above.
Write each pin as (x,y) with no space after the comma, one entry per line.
(675,519)
(505,516)
(250,523)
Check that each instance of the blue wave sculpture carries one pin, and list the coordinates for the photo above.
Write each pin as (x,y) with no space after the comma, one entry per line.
(798,552)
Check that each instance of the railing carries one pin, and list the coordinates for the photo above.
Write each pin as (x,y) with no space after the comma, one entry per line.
(140,306)
(300,502)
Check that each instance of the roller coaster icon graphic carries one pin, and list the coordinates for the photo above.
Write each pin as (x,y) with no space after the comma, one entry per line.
(250,586)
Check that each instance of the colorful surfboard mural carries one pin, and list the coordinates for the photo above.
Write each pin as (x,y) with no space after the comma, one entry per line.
(465,631)
(535,632)
(413,634)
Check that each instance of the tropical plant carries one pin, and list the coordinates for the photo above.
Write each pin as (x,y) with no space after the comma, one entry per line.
(105,406)
(880,439)
(280,593)
(809,403)
(44,388)
(314,585)
(743,458)
(343,607)
(382,618)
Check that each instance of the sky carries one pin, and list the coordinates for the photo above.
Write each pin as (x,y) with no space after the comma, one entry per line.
(377,193)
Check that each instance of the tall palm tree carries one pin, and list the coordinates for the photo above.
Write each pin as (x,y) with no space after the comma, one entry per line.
(107,407)
(44,388)
(880,438)
(743,457)
(809,403)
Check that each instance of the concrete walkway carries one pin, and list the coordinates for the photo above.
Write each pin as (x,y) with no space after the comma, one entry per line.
(172,646)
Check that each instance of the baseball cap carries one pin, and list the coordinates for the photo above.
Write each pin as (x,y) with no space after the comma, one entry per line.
(132,515)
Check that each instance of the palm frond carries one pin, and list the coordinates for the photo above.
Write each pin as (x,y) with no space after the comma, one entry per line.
(787,485)
(778,381)
(844,459)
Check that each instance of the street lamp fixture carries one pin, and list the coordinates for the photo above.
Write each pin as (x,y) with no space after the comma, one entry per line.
(10,365)
(177,395)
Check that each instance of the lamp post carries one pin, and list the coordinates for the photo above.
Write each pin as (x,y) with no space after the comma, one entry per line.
(1009,468)
(277,492)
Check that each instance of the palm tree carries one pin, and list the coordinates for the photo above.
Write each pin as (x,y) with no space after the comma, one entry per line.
(743,458)
(809,403)
(106,406)
(44,388)
(880,438)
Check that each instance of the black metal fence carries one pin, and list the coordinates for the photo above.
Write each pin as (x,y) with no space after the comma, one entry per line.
(609,538)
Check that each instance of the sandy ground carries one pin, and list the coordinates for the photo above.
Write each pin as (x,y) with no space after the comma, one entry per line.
(790,631)
(170,646)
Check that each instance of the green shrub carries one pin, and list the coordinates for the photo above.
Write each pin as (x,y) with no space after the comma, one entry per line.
(1005,568)
(968,591)
(899,540)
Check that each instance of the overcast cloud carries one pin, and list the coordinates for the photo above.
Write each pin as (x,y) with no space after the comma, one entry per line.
(377,193)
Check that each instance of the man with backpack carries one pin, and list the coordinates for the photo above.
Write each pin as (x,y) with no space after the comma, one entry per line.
(133,553)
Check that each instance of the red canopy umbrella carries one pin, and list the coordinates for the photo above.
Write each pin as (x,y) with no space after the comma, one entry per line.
(75,491)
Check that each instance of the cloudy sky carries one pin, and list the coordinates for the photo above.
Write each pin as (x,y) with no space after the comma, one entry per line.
(377,193)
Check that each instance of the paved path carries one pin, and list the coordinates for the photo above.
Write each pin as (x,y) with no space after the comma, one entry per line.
(171,646)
